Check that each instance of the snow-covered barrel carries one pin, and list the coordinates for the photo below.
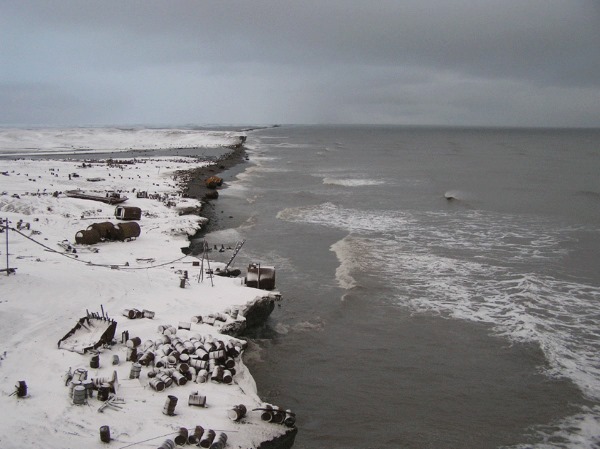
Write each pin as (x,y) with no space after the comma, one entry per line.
(87,237)
(126,231)
(106,229)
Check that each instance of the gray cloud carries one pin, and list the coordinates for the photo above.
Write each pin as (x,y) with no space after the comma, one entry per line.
(448,62)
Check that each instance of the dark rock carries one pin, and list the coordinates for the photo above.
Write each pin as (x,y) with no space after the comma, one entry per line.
(285,441)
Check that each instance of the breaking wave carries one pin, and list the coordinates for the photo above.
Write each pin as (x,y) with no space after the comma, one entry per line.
(483,267)
(353,182)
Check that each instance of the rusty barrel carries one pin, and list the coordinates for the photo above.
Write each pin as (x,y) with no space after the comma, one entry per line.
(146,358)
(197,400)
(207,438)
(290,418)
(170,404)
(267,413)
(95,361)
(182,437)
(105,434)
(179,378)
(87,237)
(125,231)
(167,444)
(194,438)
(135,371)
(157,384)
(202,376)
(79,394)
(219,441)
(103,392)
(237,412)
(21,388)
(134,342)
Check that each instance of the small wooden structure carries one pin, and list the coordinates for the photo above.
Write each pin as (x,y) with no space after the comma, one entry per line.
(261,277)
(128,213)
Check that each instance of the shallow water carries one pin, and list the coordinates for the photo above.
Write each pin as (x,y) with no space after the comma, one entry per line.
(411,320)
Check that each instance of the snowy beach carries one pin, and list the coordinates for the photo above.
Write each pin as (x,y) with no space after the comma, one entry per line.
(52,282)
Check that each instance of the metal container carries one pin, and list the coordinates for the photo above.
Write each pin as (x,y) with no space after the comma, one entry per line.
(220,441)
(207,438)
(237,412)
(197,400)
(74,383)
(105,434)
(267,413)
(182,437)
(169,407)
(129,313)
(167,444)
(89,387)
(103,392)
(157,384)
(179,378)
(194,438)
(95,361)
(146,358)
(80,374)
(135,371)
(87,237)
(202,376)
(202,353)
(290,418)
(134,342)
(131,355)
(217,374)
(79,395)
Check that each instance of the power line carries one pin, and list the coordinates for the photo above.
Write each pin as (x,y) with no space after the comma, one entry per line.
(75,258)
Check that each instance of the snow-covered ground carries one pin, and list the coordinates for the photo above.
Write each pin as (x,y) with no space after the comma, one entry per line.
(55,141)
(54,287)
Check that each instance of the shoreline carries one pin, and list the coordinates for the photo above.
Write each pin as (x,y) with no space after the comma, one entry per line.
(226,167)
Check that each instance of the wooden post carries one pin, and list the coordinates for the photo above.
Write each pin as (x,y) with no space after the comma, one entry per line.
(6,230)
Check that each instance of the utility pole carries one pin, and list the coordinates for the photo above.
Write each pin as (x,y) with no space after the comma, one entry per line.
(6,231)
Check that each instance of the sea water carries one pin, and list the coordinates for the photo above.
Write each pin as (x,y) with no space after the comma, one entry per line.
(441,285)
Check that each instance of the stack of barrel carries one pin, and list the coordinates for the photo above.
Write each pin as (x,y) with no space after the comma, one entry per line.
(198,437)
(178,360)
(276,415)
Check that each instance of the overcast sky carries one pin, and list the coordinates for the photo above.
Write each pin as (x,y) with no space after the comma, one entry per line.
(176,62)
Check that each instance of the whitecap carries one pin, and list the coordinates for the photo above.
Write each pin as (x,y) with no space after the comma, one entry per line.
(350,182)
